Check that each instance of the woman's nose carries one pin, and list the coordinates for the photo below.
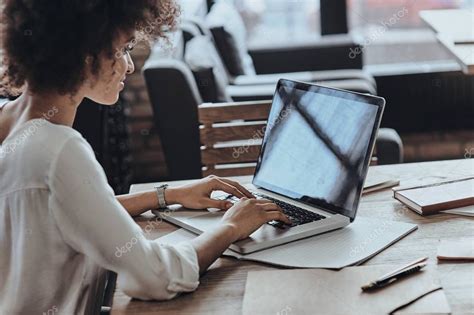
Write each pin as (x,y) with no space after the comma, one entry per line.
(130,64)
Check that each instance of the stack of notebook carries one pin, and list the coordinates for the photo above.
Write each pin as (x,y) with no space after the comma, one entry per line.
(433,198)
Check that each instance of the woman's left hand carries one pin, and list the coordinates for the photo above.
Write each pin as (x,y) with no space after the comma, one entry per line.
(198,195)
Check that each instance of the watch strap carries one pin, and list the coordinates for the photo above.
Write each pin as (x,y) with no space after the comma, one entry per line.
(160,191)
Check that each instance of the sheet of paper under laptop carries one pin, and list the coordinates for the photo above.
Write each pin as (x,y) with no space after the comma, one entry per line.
(348,246)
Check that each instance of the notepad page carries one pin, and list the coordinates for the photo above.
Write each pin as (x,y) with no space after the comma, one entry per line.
(467,211)
(337,249)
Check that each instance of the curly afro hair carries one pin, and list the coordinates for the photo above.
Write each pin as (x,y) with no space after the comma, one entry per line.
(46,42)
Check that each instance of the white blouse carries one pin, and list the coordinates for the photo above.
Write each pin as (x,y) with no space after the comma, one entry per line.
(61,227)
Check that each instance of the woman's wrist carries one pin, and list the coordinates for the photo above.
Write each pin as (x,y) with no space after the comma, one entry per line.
(172,196)
(231,231)
(151,197)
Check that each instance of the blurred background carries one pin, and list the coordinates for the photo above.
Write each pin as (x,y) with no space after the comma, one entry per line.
(430,101)
(236,50)
(409,39)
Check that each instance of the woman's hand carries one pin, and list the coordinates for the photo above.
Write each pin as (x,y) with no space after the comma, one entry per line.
(192,196)
(247,215)
(198,195)
(238,223)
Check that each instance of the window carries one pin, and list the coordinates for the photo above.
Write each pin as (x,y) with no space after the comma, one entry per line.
(393,14)
(280,21)
(390,30)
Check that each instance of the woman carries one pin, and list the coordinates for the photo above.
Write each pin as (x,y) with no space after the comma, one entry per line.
(60,223)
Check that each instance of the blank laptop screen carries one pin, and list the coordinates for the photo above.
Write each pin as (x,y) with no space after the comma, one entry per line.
(317,145)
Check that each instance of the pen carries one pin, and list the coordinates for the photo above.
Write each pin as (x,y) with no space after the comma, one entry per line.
(464,42)
(395,275)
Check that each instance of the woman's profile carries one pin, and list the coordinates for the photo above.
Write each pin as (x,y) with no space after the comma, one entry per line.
(60,222)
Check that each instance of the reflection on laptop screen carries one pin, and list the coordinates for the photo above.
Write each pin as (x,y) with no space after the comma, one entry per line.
(316,147)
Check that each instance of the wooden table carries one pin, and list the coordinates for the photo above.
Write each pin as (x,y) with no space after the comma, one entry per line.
(222,287)
(454,26)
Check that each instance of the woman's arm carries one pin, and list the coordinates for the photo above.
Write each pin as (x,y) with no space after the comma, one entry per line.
(91,221)
(193,196)
(244,218)
(137,203)
(236,224)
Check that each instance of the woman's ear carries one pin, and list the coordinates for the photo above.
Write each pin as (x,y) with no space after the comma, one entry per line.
(89,80)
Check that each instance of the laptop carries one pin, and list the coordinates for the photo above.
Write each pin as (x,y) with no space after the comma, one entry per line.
(314,159)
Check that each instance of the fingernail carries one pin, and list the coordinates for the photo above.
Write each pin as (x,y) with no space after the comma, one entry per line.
(228,205)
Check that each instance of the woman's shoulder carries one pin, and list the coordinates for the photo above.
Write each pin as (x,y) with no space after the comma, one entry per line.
(49,135)
(39,135)
(41,145)
(51,128)
(62,138)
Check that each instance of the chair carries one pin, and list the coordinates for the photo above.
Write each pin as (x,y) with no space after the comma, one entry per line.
(325,62)
(175,96)
(231,136)
(175,99)
(109,290)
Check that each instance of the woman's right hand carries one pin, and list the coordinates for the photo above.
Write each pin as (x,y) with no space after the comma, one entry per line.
(247,215)
(241,220)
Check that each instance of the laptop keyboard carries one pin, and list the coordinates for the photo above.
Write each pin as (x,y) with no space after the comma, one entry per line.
(297,215)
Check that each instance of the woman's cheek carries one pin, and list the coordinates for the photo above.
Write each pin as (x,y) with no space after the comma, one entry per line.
(123,66)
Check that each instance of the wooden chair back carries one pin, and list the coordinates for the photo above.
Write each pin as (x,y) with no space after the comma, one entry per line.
(231,136)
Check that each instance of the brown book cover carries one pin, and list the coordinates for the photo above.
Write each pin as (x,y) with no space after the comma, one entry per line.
(430,199)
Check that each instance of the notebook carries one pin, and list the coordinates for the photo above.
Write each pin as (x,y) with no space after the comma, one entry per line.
(319,291)
(352,245)
(377,181)
(430,199)
(462,249)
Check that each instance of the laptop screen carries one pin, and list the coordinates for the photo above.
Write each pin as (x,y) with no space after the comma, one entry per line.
(317,145)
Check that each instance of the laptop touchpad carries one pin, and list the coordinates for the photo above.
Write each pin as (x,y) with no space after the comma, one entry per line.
(205,222)
(211,220)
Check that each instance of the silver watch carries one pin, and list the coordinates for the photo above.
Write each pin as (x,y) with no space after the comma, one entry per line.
(160,190)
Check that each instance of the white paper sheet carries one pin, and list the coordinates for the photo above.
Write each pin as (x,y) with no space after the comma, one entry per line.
(467,211)
(337,249)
